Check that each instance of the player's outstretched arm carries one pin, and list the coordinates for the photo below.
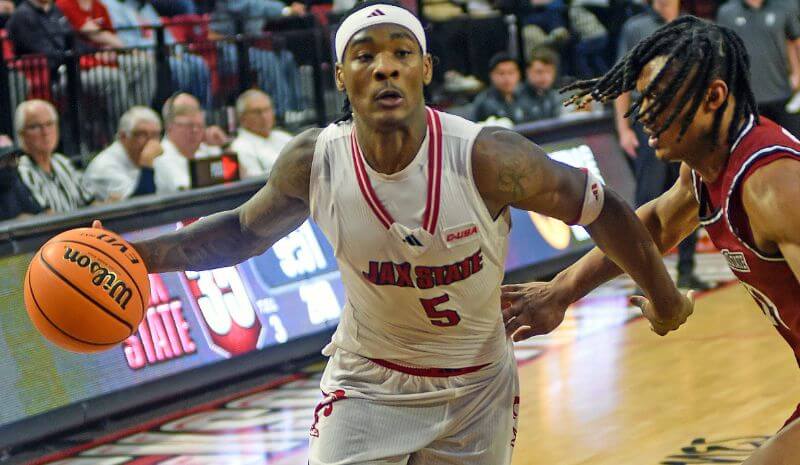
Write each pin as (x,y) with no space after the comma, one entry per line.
(669,219)
(230,237)
(510,170)
(770,197)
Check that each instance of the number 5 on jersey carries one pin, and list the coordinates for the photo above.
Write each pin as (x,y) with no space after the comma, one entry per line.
(440,317)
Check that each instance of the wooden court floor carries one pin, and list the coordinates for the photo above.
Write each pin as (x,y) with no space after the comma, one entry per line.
(625,396)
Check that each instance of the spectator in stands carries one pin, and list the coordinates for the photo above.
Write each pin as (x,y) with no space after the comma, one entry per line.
(39,27)
(257,143)
(502,99)
(15,199)
(276,69)
(765,28)
(6,8)
(214,135)
(254,13)
(540,100)
(125,168)
(544,22)
(174,7)
(591,42)
(185,125)
(653,176)
(133,20)
(91,19)
(51,177)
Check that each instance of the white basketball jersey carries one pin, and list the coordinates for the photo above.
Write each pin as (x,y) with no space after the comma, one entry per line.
(420,256)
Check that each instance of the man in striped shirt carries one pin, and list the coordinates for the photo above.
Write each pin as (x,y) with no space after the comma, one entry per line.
(52,179)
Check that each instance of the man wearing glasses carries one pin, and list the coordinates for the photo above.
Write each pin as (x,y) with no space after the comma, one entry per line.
(53,180)
(257,142)
(186,129)
(125,168)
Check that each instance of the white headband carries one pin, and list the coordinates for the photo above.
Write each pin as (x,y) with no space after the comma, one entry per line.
(377,14)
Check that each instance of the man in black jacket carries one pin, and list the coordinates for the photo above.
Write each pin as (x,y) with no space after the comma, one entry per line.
(540,97)
(15,199)
(502,99)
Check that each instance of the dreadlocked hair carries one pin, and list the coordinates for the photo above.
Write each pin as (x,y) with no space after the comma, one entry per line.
(347,110)
(697,52)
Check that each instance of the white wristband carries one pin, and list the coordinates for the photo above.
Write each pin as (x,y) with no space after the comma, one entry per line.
(593,199)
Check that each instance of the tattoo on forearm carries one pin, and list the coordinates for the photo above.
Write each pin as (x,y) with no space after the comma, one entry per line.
(214,242)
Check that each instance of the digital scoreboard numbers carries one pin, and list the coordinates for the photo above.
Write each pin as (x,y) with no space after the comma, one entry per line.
(228,317)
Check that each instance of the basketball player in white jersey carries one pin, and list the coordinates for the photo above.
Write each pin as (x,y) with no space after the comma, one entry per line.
(415,204)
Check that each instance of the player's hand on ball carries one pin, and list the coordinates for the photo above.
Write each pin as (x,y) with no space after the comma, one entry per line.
(662,321)
(97,224)
(531,309)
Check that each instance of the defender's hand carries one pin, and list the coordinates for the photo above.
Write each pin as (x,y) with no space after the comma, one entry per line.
(664,320)
(531,309)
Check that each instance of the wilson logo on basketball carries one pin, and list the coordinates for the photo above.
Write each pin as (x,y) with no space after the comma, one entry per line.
(462,234)
(101,277)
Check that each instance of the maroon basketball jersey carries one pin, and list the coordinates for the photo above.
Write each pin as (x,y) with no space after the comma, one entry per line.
(768,278)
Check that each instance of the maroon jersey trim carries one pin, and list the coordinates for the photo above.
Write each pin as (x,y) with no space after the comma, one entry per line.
(431,214)
(765,152)
(746,129)
(704,203)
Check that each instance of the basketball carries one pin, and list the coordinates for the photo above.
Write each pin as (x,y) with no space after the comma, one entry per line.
(86,290)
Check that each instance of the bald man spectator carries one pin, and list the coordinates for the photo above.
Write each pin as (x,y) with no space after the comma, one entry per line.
(125,168)
(186,131)
(257,143)
(52,179)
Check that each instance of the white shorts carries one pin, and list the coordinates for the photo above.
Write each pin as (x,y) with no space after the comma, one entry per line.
(377,415)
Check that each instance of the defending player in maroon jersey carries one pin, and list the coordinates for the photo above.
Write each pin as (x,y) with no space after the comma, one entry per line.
(739,179)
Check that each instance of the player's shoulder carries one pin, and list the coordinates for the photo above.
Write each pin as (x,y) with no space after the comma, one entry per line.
(334,132)
(769,197)
(767,161)
(776,176)
(454,126)
(761,138)
(300,148)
